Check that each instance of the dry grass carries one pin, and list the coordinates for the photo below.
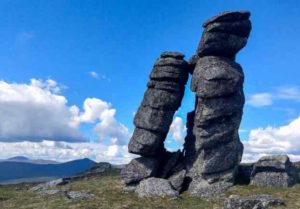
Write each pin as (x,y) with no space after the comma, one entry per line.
(108,194)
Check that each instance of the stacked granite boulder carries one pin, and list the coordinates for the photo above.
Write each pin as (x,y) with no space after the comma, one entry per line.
(153,119)
(212,151)
(218,83)
(274,171)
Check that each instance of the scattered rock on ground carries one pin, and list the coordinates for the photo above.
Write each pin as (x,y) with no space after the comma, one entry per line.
(49,184)
(252,202)
(78,196)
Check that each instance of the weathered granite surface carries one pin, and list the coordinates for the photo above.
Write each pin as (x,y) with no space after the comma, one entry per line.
(252,202)
(208,164)
(218,83)
(274,171)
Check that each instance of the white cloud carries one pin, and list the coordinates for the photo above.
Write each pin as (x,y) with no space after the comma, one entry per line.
(261,99)
(267,98)
(289,93)
(63,151)
(177,130)
(37,111)
(99,77)
(273,140)
(107,127)
(94,74)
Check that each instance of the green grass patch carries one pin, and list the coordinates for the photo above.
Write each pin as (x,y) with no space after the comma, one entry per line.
(108,194)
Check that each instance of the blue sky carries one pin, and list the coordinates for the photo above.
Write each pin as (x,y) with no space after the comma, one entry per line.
(65,41)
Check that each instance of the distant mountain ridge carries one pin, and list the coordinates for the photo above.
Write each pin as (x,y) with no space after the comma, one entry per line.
(25,159)
(20,169)
(17,158)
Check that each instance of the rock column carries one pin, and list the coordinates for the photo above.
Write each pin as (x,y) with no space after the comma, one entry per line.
(154,117)
(218,83)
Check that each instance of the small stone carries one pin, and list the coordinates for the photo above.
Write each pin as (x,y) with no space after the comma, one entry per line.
(78,196)
(138,169)
(156,187)
(261,201)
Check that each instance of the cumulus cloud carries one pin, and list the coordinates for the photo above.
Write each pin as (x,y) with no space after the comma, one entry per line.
(273,140)
(107,126)
(267,98)
(63,151)
(37,111)
(177,130)
(34,111)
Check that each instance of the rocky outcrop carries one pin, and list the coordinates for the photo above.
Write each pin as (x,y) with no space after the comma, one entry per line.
(161,100)
(208,164)
(153,119)
(252,202)
(274,171)
(218,83)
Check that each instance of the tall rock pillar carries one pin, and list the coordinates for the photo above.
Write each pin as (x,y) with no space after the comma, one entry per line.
(218,83)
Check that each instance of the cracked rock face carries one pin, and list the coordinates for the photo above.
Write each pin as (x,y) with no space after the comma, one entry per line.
(218,83)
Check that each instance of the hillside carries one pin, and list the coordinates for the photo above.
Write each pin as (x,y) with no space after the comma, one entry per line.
(107,191)
(16,171)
